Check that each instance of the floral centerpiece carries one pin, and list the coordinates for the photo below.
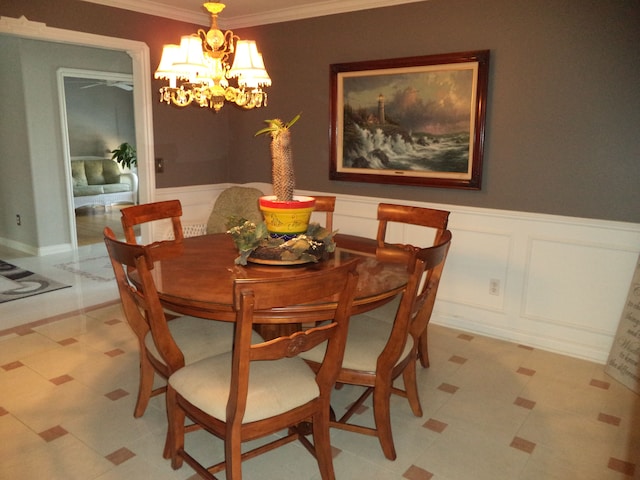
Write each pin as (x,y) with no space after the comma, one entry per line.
(255,244)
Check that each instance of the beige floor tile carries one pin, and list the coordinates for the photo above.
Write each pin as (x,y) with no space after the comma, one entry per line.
(65,458)
(570,394)
(546,463)
(496,416)
(22,439)
(570,436)
(57,405)
(19,384)
(67,327)
(15,348)
(462,453)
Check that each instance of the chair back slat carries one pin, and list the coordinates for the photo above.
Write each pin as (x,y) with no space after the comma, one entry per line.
(420,216)
(150,212)
(432,261)
(327,204)
(292,345)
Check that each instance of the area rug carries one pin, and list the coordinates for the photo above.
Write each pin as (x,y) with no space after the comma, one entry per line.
(17,283)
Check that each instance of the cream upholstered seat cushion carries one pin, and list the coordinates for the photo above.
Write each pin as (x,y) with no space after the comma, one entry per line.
(197,338)
(234,202)
(366,338)
(275,386)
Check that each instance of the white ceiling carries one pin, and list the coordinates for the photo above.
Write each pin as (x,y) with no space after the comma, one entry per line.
(246,13)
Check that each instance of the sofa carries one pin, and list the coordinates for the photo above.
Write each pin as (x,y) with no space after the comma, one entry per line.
(99,181)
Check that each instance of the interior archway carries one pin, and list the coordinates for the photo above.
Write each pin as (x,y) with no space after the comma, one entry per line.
(139,53)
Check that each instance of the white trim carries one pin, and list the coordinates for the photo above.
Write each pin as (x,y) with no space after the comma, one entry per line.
(572,308)
(160,10)
(267,15)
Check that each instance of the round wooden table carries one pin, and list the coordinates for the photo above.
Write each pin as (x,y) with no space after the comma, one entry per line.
(196,278)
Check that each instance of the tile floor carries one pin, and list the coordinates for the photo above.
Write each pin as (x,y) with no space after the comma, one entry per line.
(492,409)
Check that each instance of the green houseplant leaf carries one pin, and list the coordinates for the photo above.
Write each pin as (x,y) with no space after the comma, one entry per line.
(125,155)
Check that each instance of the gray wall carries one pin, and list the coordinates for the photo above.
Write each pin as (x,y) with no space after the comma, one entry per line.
(563,107)
(99,117)
(32,154)
(563,118)
(16,185)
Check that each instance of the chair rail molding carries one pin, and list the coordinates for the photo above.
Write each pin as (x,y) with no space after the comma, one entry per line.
(551,282)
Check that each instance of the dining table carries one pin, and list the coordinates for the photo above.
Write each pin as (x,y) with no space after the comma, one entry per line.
(195,277)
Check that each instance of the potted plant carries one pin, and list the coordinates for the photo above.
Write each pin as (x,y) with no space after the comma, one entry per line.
(285,213)
(125,155)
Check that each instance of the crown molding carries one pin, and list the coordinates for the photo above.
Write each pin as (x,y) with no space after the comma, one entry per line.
(317,9)
(299,12)
(150,7)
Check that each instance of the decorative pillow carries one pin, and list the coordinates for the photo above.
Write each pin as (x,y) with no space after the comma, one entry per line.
(110,171)
(78,174)
(93,169)
(234,202)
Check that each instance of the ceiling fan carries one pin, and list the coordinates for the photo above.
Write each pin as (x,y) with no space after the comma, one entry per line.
(111,83)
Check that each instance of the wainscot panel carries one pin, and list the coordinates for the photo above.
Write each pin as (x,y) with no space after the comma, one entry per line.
(551,282)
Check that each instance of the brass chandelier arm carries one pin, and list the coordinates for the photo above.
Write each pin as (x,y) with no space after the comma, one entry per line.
(212,97)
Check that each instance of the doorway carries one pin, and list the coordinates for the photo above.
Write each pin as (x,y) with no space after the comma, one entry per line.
(139,54)
(97,116)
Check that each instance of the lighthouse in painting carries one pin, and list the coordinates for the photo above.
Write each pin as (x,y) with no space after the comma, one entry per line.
(381,109)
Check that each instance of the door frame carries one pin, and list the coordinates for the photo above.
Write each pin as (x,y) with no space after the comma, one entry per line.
(141,66)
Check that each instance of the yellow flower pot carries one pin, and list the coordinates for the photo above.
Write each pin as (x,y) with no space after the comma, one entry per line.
(287,218)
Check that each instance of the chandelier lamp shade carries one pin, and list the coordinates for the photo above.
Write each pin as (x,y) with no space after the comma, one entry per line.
(200,68)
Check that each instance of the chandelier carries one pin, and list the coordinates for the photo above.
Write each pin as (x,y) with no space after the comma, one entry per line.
(199,69)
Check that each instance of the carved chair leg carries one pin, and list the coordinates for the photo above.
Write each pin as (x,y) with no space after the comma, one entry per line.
(233,454)
(175,435)
(322,442)
(411,388)
(382,416)
(145,386)
(423,349)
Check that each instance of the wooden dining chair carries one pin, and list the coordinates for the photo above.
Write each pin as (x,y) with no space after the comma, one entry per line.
(326,204)
(436,220)
(378,352)
(192,338)
(149,212)
(263,388)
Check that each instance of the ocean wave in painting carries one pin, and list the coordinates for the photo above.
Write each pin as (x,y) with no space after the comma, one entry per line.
(374,149)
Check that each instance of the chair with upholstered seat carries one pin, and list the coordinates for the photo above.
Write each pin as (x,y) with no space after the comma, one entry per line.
(150,212)
(327,204)
(261,389)
(379,351)
(197,338)
(237,201)
(436,220)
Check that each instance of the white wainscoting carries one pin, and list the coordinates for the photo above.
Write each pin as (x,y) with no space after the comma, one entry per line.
(561,281)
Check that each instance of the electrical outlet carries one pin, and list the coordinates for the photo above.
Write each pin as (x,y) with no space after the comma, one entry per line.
(494,286)
(18,220)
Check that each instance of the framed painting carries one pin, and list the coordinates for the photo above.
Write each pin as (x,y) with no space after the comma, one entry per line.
(410,121)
